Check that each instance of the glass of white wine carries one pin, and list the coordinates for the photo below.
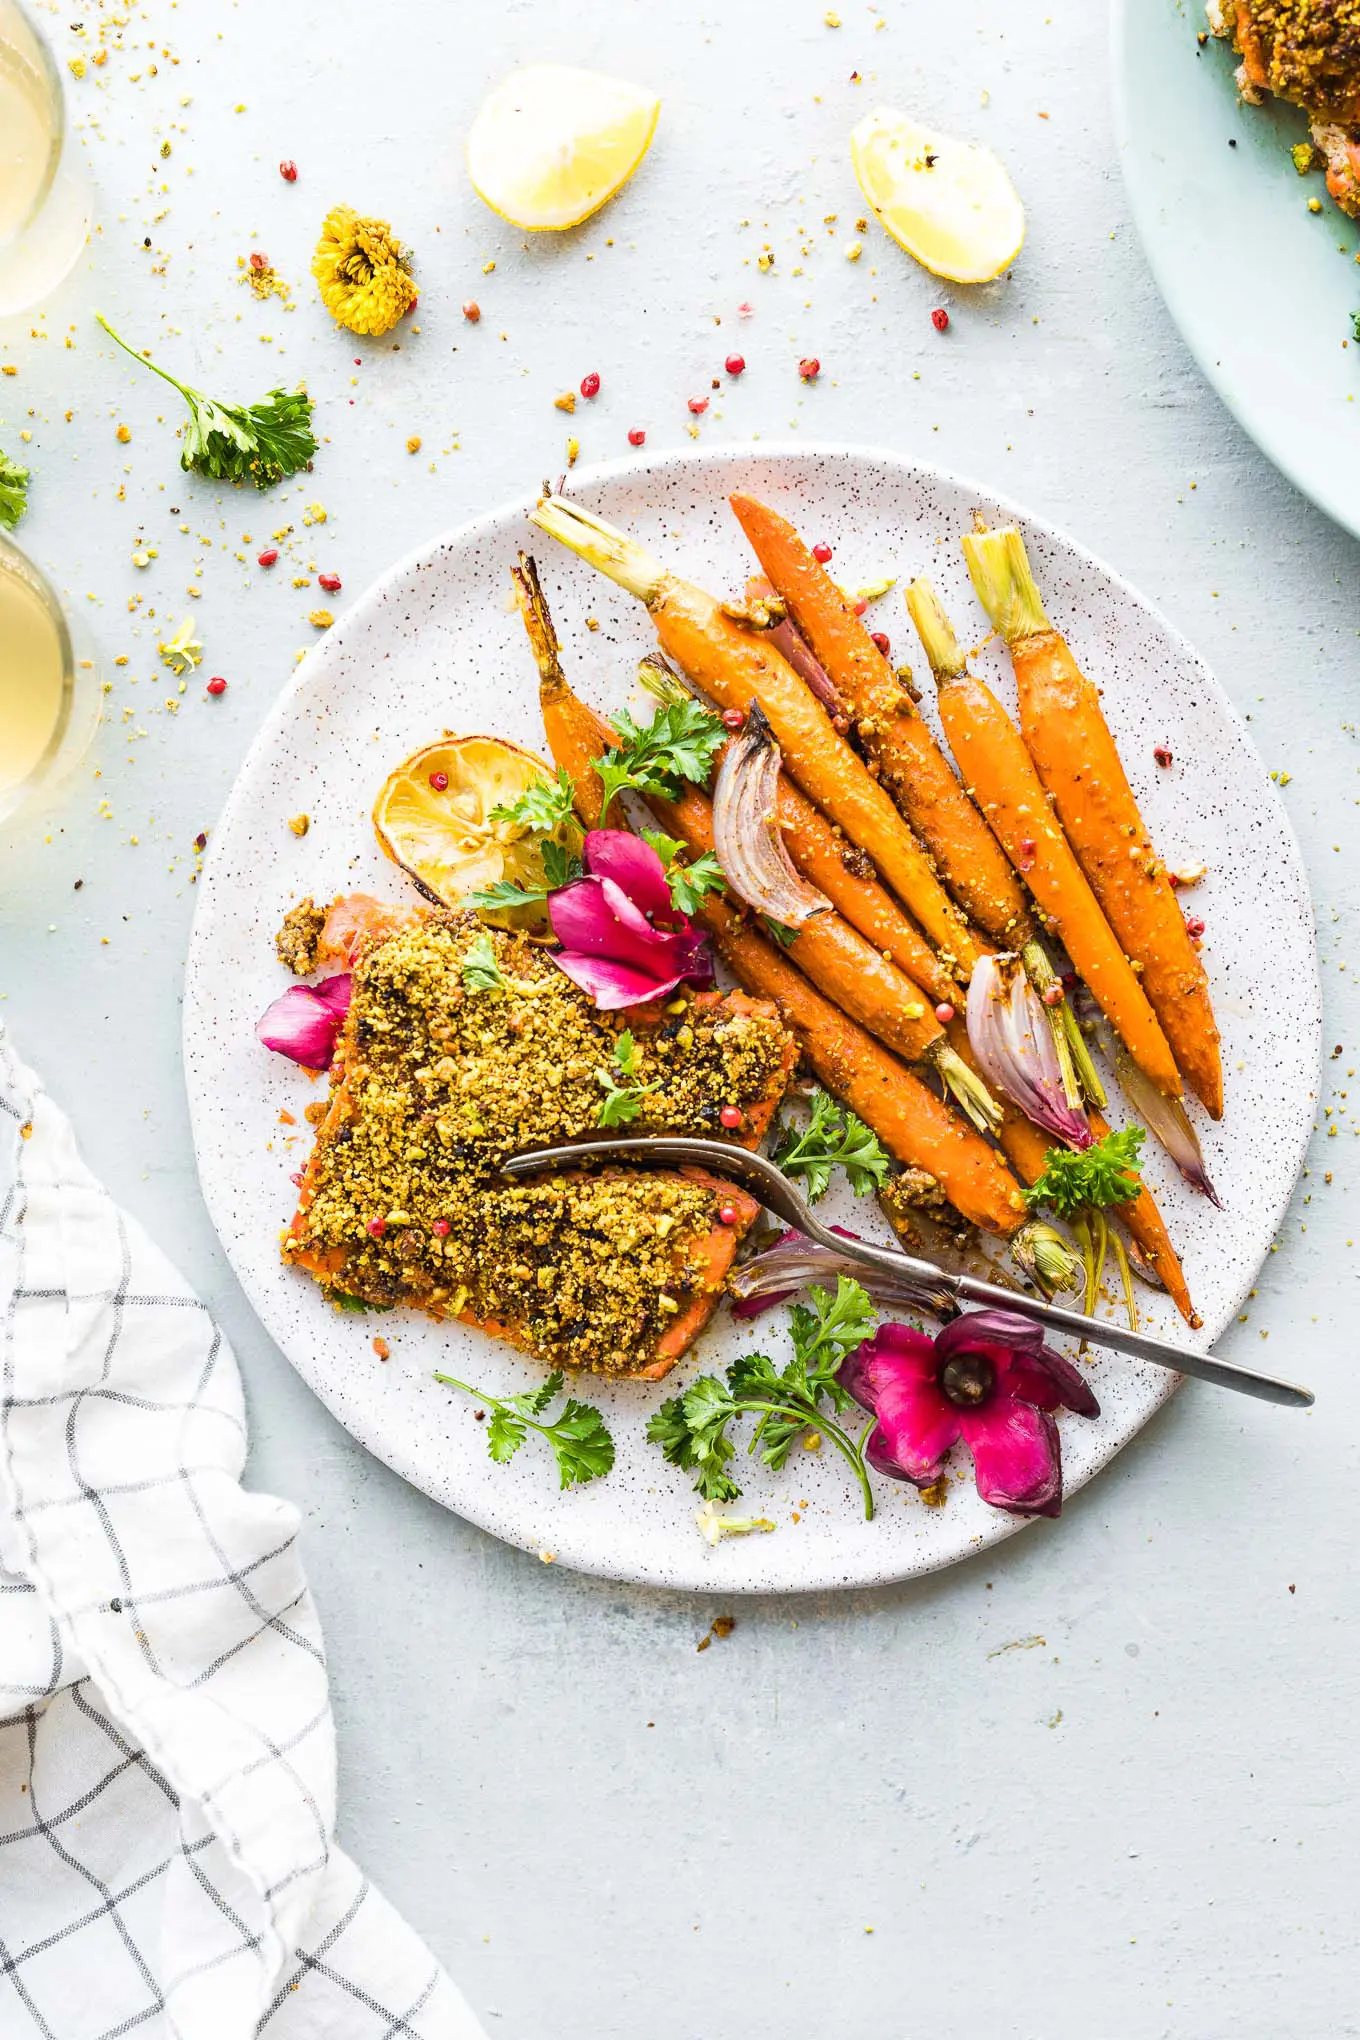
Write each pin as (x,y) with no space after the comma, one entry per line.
(49,696)
(45,204)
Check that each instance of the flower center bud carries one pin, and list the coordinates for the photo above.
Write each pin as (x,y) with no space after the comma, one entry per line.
(968,1380)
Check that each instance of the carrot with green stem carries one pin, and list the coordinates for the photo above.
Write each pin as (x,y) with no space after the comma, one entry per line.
(1068,738)
(735,666)
(1000,775)
(909,762)
(838,868)
(892,730)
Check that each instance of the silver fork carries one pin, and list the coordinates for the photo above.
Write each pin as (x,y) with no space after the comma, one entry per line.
(938,1290)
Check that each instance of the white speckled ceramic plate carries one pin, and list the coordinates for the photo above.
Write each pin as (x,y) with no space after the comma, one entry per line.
(436,644)
(1262,290)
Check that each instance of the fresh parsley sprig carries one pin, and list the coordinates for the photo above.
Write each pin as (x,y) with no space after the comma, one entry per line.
(834,1136)
(560,867)
(542,808)
(678,744)
(692,1429)
(578,1435)
(481,972)
(623,1100)
(1100,1175)
(261,443)
(690,883)
(13,491)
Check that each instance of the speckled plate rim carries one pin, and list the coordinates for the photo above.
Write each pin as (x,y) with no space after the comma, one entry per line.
(1201,318)
(582,1553)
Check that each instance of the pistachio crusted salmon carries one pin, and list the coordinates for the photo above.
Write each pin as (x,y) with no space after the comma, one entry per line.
(435,1081)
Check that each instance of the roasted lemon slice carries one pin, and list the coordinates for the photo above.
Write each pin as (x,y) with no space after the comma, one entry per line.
(950,204)
(551,144)
(434,817)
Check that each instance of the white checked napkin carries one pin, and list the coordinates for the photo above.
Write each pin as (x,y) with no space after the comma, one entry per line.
(167,1754)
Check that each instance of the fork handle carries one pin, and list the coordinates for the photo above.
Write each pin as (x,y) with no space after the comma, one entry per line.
(1204,1366)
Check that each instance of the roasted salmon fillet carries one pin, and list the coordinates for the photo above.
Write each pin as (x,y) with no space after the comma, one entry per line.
(437,1077)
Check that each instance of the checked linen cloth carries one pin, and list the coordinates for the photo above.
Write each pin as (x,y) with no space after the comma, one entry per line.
(167,1753)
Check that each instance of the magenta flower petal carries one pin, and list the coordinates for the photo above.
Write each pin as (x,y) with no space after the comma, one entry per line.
(303,1023)
(633,865)
(596,916)
(1025,1365)
(917,1424)
(896,1352)
(612,986)
(1017,1457)
(1049,1381)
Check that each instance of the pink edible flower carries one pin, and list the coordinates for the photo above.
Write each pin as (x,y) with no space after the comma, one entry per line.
(303,1024)
(989,1379)
(607,921)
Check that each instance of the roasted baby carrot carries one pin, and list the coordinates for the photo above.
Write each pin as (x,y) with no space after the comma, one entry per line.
(1000,775)
(735,666)
(891,729)
(1068,738)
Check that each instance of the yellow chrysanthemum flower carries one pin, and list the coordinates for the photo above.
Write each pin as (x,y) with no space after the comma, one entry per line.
(364,275)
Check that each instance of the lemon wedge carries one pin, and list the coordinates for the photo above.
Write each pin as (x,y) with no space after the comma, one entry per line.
(950,204)
(434,817)
(551,144)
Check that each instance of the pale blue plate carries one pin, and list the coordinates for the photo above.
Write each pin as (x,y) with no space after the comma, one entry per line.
(1262,290)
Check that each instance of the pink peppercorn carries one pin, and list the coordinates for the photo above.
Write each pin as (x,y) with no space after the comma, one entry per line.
(859,607)
(330,582)
(727,1214)
(258,261)
(377,1227)
(809,368)
(734,719)
(880,638)
(441,1228)
(698,405)
(637,437)
(1161,754)
(735,364)
(296,1176)
(732,1115)
(944,1012)
(939,319)
(590,385)
(439,781)
(288,170)
(472,311)
(1028,846)
(1194,929)
(217,686)
(268,556)
(821,551)
(1053,996)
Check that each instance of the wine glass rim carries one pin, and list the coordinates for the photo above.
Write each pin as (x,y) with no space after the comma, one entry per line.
(14,560)
(40,53)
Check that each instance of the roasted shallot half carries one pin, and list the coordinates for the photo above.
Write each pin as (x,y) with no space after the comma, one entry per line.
(746,831)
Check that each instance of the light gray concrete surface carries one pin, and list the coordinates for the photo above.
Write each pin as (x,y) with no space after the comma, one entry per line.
(1098,1785)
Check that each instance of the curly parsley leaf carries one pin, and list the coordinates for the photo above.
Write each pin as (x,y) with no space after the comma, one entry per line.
(560,867)
(543,806)
(13,491)
(777,932)
(578,1436)
(678,744)
(692,882)
(1102,1174)
(261,443)
(623,1099)
(833,1137)
(501,897)
(1355,324)
(481,972)
(692,1429)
